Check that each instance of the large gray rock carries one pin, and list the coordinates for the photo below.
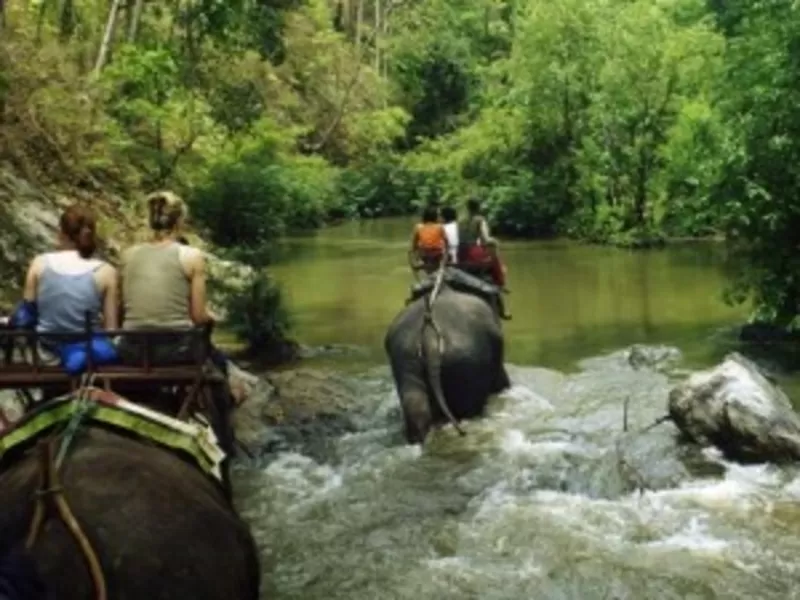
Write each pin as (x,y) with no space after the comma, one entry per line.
(28,224)
(254,396)
(737,408)
(11,409)
(289,409)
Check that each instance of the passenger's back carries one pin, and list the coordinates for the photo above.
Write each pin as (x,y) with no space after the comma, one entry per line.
(67,289)
(155,295)
(155,287)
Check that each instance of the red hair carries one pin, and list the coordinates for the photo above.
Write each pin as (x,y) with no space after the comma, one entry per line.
(78,224)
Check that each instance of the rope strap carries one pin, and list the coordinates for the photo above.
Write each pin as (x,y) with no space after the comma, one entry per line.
(51,494)
(83,406)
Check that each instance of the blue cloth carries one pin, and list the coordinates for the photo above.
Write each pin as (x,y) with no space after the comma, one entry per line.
(25,315)
(74,357)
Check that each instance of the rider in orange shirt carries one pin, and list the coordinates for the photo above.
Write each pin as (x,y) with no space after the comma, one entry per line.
(429,241)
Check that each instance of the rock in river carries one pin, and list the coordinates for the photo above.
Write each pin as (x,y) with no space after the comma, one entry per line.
(737,408)
(298,408)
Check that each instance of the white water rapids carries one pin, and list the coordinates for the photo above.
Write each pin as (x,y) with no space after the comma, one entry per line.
(544,498)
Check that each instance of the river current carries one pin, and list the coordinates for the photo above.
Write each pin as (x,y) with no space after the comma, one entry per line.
(547,497)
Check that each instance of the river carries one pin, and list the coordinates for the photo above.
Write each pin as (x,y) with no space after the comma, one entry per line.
(545,497)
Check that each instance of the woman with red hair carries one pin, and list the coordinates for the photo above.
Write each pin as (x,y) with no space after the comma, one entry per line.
(63,286)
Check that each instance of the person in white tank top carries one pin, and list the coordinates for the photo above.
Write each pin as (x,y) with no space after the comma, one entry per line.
(68,282)
(450,218)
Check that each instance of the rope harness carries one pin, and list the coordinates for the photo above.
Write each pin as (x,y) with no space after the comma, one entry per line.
(50,493)
(429,321)
(82,408)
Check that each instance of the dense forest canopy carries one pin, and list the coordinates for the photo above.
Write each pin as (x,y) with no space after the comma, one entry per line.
(621,121)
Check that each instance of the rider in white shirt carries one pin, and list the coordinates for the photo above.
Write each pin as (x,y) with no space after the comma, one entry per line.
(450,217)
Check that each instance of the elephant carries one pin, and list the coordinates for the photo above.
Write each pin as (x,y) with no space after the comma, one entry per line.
(159,527)
(19,577)
(446,354)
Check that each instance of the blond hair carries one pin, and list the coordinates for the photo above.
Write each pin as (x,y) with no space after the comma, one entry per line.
(165,209)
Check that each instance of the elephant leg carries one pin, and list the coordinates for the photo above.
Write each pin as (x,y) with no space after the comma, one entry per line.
(417,415)
(501,380)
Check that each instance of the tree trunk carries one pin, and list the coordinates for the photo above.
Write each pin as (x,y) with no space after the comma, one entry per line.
(642,178)
(173,23)
(41,18)
(378,37)
(386,31)
(108,36)
(136,16)
(66,19)
(359,21)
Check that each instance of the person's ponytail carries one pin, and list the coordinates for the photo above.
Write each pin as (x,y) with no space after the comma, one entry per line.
(86,243)
(165,210)
(78,225)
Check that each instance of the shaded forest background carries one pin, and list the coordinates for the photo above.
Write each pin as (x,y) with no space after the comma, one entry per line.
(612,121)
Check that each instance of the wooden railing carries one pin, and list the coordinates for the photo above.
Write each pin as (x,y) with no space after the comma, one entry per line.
(33,373)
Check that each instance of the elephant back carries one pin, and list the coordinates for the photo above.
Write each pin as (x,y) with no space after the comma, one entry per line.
(460,281)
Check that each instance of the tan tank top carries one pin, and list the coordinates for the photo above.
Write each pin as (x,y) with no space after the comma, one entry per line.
(155,288)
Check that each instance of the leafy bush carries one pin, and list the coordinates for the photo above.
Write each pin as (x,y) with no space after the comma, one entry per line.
(257,190)
(380,189)
(257,315)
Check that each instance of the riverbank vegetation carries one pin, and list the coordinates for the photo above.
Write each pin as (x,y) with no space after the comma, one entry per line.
(613,121)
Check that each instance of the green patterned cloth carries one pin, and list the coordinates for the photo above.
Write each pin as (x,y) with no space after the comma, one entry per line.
(194,438)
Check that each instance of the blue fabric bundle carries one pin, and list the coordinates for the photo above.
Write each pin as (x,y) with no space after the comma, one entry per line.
(25,315)
(73,355)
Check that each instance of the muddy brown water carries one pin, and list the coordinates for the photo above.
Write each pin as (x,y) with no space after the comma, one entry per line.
(545,497)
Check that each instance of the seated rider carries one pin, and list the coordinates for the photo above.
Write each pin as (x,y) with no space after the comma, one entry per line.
(61,287)
(449,218)
(164,283)
(429,241)
(477,248)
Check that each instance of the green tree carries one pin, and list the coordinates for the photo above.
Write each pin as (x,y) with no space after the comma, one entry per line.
(757,199)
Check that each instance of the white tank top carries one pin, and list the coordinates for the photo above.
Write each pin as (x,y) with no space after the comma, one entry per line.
(451,232)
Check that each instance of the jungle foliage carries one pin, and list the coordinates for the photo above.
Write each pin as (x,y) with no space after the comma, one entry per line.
(612,121)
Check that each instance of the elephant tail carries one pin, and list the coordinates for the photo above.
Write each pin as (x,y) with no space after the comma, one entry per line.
(432,348)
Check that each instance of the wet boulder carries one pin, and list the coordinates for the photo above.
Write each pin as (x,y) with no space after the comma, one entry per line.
(292,409)
(252,395)
(11,408)
(656,358)
(739,409)
(28,223)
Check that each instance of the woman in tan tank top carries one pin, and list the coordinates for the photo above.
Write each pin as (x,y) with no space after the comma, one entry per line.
(163,282)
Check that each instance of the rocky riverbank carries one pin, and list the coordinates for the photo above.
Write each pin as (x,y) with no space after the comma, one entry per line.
(294,408)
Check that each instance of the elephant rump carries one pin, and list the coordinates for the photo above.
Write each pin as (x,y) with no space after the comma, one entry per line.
(159,526)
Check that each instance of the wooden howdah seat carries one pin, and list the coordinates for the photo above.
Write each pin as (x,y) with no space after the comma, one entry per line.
(22,368)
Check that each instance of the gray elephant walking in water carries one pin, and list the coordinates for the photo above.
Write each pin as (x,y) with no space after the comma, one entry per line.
(446,353)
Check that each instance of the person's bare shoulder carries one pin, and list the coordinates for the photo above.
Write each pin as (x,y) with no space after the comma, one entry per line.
(37,264)
(126,253)
(108,270)
(106,274)
(193,260)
